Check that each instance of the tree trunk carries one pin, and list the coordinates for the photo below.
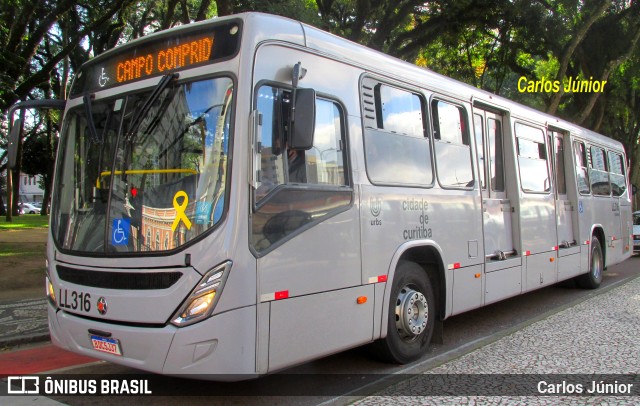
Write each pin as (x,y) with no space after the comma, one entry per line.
(611,66)
(568,51)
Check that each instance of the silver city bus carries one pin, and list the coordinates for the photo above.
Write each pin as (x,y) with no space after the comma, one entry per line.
(241,195)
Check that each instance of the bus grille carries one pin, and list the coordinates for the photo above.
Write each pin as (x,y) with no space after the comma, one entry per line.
(118,280)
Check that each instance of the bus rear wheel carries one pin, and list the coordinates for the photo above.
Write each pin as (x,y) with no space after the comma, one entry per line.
(412,313)
(593,279)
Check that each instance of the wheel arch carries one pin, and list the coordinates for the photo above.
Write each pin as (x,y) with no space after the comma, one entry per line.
(427,254)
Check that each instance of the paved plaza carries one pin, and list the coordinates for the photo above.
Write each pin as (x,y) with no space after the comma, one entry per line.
(598,336)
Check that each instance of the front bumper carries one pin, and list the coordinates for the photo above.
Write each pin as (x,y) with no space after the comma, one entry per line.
(221,347)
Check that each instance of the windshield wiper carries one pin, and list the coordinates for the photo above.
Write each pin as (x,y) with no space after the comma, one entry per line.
(88,109)
(141,113)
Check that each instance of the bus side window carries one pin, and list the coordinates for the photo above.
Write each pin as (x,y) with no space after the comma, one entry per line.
(532,159)
(269,104)
(453,149)
(599,172)
(616,174)
(479,133)
(582,174)
(324,162)
(397,152)
(315,181)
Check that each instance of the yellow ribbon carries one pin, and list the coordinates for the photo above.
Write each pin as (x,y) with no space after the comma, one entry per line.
(180,208)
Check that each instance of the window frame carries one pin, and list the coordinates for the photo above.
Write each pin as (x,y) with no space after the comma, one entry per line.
(592,169)
(347,164)
(345,191)
(466,134)
(545,148)
(373,124)
(622,173)
(584,165)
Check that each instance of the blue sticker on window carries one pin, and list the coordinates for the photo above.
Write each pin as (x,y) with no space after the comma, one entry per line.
(120,231)
(580,207)
(203,212)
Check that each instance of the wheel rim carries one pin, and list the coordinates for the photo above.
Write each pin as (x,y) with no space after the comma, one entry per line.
(412,313)
(596,264)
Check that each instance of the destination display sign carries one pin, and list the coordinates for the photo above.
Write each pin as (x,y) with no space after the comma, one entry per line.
(167,53)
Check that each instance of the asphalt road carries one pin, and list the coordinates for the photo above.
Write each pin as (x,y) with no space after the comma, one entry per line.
(356,373)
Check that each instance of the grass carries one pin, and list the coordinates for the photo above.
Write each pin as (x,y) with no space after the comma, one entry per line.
(23,246)
(11,249)
(24,222)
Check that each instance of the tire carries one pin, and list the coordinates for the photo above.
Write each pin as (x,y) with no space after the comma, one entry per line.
(412,313)
(593,279)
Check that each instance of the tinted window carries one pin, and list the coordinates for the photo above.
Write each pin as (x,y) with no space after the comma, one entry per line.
(616,174)
(599,174)
(561,184)
(395,159)
(478,129)
(582,175)
(494,131)
(396,151)
(322,164)
(312,181)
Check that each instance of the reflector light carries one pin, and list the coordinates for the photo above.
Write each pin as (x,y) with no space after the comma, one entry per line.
(477,276)
(555,248)
(455,265)
(527,253)
(283,294)
(378,279)
(361,300)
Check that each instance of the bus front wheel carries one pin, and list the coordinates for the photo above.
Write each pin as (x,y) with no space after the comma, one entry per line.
(593,279)
(412,313)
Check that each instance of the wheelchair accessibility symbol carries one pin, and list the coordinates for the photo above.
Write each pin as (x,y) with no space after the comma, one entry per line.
(120,231)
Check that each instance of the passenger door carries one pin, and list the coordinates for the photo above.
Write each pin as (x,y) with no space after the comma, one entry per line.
(566,198)
(496,205)
(537,205)
(565,207)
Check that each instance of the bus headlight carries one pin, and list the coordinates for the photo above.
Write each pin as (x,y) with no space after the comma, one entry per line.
(202,300)
(51,293)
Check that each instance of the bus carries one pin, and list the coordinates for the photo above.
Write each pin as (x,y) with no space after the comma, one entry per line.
(237,196)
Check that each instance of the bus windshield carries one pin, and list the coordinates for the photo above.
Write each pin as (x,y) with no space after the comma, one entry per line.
(146,172)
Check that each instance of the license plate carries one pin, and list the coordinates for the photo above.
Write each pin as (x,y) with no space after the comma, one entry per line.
(105,344)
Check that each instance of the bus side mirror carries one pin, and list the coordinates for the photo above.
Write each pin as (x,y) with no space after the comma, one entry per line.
(304,119)
(16,128)
(14,138)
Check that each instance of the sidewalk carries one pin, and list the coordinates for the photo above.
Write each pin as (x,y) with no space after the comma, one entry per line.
(23,321)
(598,336)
